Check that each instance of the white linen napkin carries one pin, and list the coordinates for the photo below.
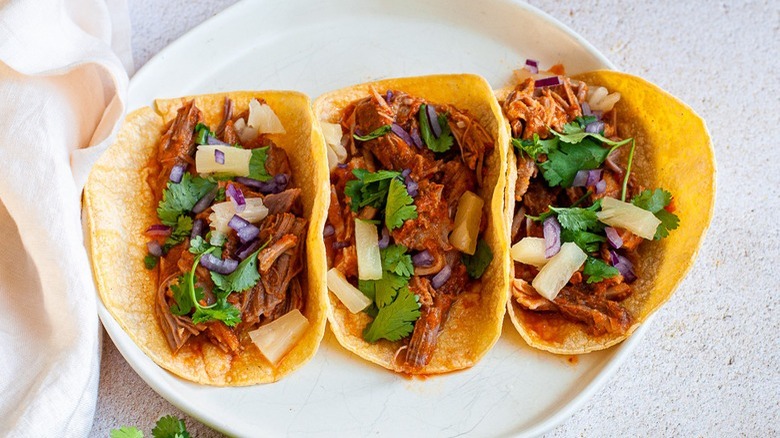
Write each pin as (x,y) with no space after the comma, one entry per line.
(64,68)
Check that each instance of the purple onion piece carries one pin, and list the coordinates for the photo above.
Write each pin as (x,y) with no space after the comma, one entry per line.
(532,65)
(158,230)
(548,82)
(416,137)
(401,132)
(594,127)
(597,115)
(339,245)
(594,176)
(342,165)
(219,156)
(217,265)
(177,173)
(385,240)
(154,248)
(328,230)
(214,141)
(388,96)
(433,119)
(422,259)
(552,236)
(586,109)
(406,172)
(238,223)
(623,265)
(580,179)
(439,279)
(601,186)
(205,202)
(248,233)
(198,226)
(247,249)
(237,197)
(411,186)
(613,237)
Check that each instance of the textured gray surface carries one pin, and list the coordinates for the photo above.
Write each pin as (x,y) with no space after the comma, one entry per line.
(709,364)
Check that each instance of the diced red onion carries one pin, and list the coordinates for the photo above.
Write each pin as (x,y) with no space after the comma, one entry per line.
(439,279)
(237,197)
(532,65)
(385,240)
(580,179)
(198,226)
(613,237)
(597,114)
(205,202)
(388,96)
(177,173)
(422,259)
(433,119)
(601,186)
(552,236)
(594,176)
(411,186)
(218,265)
(214,141)
(401,132)
(158,230)
(154,248)
(586,109)
(623,265)
(415,134)
(406,172)
(244,229)
(219,156)
(342,165)
(247,249)
(238,223)
(339,245)
(328,231)
(594,127)
(548,82)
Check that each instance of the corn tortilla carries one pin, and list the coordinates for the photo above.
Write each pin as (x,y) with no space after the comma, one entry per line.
(119,205)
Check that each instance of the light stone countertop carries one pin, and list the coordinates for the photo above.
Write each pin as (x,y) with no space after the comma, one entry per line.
(709,365)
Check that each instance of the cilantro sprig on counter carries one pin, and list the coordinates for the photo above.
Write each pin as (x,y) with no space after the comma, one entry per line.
(166,427)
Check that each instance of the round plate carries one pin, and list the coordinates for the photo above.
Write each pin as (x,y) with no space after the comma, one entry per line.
(317,46)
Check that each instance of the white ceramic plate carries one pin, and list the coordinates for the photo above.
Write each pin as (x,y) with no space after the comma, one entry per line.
(316,46)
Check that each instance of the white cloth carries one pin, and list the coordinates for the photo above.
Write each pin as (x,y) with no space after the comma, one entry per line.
(63,79)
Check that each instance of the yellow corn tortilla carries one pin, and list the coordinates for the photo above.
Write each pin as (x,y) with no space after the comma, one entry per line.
(119,206)
(475,319)
(673,151)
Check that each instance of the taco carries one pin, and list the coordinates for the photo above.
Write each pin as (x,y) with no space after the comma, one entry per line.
(415,239)
(204,222)
(611,184)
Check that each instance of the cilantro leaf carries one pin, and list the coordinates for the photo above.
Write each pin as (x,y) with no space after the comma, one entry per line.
(257,168)
(179,232)
(126,432)
(655,201)
(396,260)
(199,245)
(564,162)
(578,219)
(244,277)
(574,133)
(368,287)
(179,198)
(387,287)
(378,132)
(589,242)
(477,263)
(150,261)
(183,296)
(534,147)
(170,427)
(445,140)
(201,133)
(400,206)
(220,311)
(370,188)
(597,270)
(395,320)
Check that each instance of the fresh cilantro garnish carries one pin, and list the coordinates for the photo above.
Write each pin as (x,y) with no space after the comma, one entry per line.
(576,218)
(445,140)
(655,201)
(370,188)
(574,133)
(170,427)
(534,147)
(597,270)
(400,206)
(221,310)
(396,260)
(244,277)
(378,132)
(179,198)
(386,289)
(201,133)
(477,263)
(179,232)
(220,195)
(199,245)
(186,295)
(150,261)
(587,241)
(396,320)
(257,168)
(567,159)
(584,121)
(126,432)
